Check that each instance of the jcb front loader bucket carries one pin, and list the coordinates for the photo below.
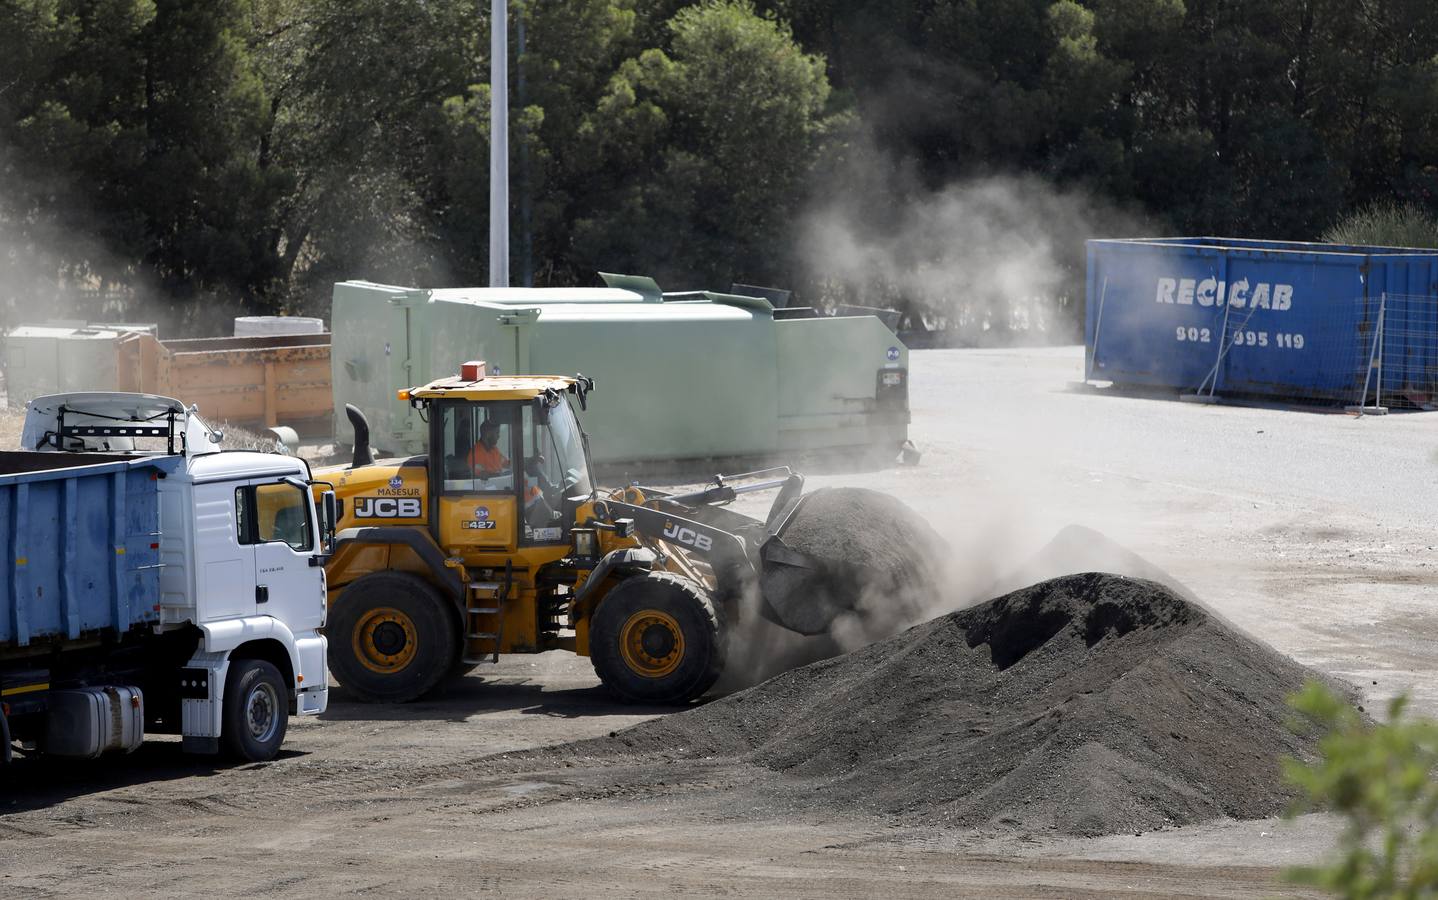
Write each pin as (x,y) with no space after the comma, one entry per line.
(801,592)
(811,576)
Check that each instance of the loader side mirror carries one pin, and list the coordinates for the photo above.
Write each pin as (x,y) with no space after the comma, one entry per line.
(580,389)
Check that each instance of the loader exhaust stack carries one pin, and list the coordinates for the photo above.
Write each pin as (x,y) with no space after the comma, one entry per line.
(363,455)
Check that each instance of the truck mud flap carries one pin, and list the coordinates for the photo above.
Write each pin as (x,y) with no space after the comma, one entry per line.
(202,691)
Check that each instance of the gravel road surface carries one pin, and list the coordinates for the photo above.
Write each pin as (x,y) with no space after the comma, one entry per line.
(1309,530)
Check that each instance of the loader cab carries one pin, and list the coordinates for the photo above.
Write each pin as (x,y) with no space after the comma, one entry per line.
(513,468)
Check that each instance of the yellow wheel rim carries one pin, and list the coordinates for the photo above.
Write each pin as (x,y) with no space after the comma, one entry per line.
(385,640)
(651,643)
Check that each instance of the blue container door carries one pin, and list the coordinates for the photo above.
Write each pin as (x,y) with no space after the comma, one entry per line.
(1154,315)
(1406,289)
(1295,324)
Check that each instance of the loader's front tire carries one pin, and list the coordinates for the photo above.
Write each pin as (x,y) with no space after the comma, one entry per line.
(657,638)
(391,638)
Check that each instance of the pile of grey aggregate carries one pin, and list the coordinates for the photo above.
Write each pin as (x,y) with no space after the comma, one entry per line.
(1088,704)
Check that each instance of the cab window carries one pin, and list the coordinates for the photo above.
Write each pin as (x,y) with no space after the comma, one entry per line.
(570,467)
(555,470)
(476,442)
(543,499)
(274,513)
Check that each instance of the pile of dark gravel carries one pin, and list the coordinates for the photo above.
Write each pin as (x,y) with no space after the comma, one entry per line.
(1089,704)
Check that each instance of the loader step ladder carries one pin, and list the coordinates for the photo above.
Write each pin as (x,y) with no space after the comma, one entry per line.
(484,621)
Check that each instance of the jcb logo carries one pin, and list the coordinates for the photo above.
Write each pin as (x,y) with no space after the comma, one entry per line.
(388,508)
(688,536)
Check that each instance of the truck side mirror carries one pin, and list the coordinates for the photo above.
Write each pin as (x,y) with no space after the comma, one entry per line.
(329,520)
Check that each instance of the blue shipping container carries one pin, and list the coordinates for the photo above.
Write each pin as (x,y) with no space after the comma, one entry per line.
(1262,318)
(81,545)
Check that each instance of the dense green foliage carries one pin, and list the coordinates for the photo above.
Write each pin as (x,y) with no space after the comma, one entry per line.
(1386,224)
(248,152)
(1380,778)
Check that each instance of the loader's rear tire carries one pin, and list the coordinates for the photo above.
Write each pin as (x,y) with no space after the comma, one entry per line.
(391,638)
(657,638)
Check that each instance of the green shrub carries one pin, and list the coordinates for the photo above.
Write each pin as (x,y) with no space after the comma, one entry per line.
(1386,224)
(1379,777)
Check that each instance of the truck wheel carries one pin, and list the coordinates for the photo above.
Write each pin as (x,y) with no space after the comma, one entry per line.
(257,711)
(656,638)
(391,638)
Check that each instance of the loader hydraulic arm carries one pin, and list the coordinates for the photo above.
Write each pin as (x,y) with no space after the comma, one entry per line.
(725,551)
(723,489)
(744,554)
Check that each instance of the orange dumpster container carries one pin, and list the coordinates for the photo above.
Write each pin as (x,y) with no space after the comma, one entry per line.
(252,382)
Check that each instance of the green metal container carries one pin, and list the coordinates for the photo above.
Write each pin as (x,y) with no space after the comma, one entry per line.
(679,376)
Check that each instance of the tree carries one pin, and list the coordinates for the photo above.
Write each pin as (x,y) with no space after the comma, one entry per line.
(131,129)
(366,133)
(72,143)
(203,194)
(571,51)
(245,153)
(706,146)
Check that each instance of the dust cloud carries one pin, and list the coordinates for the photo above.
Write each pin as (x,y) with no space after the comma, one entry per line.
(55,264)
(994,260)
(990,260)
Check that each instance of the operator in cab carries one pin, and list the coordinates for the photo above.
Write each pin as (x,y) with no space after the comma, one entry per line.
(487,461)
(485,457)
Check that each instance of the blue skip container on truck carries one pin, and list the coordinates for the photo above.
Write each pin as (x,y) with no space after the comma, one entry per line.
(153,583)
(1270,319)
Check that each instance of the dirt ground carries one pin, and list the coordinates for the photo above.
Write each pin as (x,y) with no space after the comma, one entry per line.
(1307,530)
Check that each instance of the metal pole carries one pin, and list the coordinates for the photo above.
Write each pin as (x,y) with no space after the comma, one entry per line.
(1372,354)
(499,143)
(526,217)
(1223,333)
(1382,309)
(1097,327)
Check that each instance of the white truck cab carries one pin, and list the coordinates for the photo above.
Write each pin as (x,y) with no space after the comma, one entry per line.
(242,548)
(220,639)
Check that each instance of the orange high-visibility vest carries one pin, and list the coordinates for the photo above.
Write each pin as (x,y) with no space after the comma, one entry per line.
(487,459)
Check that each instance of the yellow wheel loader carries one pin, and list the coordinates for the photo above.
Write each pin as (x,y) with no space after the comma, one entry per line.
(497,541)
